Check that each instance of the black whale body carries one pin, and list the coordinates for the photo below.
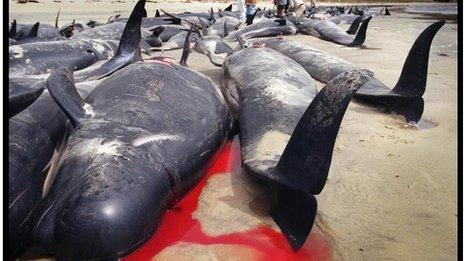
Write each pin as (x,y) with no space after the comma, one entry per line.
(38,130)
(42,57)
(287,130)
(152,129)
(405,98)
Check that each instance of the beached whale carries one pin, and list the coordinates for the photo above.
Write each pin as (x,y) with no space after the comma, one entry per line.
(222,26)
(113,31)
(264,28)
(214,47)
(176,42)
(141,140)
(37,131)
(406,96)
(287,129)
(328,30)
(166,32)
(23,33)
(41,57)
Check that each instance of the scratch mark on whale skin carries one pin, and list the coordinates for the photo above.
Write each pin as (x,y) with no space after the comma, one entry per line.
(156,137)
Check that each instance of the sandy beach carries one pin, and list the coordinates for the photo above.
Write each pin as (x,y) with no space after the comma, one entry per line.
(392,186)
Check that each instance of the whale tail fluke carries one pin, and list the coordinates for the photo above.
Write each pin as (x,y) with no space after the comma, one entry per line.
(305,162)
(361,35)
(413,79)
(303,167)
(410,107)
(354,25)
(294,212)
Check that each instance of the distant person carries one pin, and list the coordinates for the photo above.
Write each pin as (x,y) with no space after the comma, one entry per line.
(313,3)
(297,6)
(281,4)
(250,10)
(241,10)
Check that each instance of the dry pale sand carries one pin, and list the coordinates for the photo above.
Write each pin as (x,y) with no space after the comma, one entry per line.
(391,192)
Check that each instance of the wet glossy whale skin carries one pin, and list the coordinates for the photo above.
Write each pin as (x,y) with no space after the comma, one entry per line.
(153,127)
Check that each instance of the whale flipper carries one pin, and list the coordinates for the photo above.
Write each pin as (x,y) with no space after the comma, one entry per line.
(305,162)
(18,100)
(61,86)
(361,35)
(354,25)
(413,77)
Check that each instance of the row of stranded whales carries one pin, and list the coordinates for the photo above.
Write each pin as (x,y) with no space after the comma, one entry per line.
(40,129)
(102,143)
(287,129)
(406,96)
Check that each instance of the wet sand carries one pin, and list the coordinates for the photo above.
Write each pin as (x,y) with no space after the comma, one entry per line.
(391,192)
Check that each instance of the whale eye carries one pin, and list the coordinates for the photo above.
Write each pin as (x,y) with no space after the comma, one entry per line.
(92,52)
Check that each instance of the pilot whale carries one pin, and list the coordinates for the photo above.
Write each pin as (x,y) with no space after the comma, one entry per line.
(140,141)
(37,131)
(41,57)
(405,98)
(328,30)
(287,129)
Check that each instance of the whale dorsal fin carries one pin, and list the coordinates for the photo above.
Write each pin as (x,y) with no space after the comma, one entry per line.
(211,16)
(361,35)
(204,28)
(354,25)
(12,32)
(57,17)
(186,48)
(226,32)
(386,11)
(19,99)
(229,8)
(61,86)
(128,49)
(305,162)
(34,30)
(413,79)
(131,35)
